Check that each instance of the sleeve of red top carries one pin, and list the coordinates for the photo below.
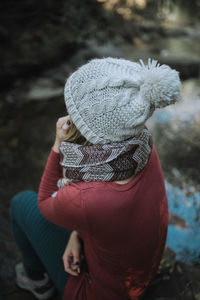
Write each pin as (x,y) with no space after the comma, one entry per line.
(66,208)
(51,174)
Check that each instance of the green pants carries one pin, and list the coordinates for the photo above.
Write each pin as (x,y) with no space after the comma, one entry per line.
(41,242)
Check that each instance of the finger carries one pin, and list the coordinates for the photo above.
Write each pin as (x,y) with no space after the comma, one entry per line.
(68,267)
(76,256)
(61,121)
(76,267)
(77,259)
(71,272)
(66,125)
(67,260)
(71,263)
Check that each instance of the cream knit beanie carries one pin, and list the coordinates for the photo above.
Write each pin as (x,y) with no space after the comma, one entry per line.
(110,99)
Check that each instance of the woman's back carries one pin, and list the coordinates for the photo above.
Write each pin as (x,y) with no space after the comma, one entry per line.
(122,236)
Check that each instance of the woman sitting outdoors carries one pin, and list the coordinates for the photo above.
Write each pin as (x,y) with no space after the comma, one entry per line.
(97,228)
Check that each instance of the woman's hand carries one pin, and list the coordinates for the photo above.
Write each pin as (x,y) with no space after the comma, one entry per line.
(72,254)
(62,128)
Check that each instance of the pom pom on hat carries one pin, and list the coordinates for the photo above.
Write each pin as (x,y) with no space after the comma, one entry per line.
(160,85)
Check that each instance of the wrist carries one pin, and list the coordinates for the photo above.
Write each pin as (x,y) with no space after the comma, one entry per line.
(56,146)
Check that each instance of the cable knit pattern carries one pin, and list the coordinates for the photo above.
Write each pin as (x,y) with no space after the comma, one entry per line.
(110,99)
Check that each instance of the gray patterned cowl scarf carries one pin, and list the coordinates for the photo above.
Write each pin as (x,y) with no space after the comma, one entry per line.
(106,162)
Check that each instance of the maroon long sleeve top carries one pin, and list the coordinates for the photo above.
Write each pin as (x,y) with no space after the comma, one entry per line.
(123,228)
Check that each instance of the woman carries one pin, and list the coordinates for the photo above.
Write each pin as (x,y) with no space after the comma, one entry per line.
(111,205)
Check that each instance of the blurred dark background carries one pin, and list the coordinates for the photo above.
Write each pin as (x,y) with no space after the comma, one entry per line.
(42,42)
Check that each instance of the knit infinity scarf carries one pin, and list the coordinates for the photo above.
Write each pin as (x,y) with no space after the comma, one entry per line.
(106,162)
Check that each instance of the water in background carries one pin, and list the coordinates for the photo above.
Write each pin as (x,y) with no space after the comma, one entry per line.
(184,237)
(176,134)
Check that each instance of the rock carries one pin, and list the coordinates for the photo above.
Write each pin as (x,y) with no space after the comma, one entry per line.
(43,89)
(187,66)
(174,280)
(183,31)
(94,49)
(179,53)
(176,220)
(197,296)
(168,262)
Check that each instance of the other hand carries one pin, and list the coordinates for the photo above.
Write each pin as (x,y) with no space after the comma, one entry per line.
(62,128)
(72,255)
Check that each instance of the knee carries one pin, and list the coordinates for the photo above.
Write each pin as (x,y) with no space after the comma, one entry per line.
(20,199)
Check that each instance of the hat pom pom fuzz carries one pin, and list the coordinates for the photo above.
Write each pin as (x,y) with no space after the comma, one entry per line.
(160,85)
